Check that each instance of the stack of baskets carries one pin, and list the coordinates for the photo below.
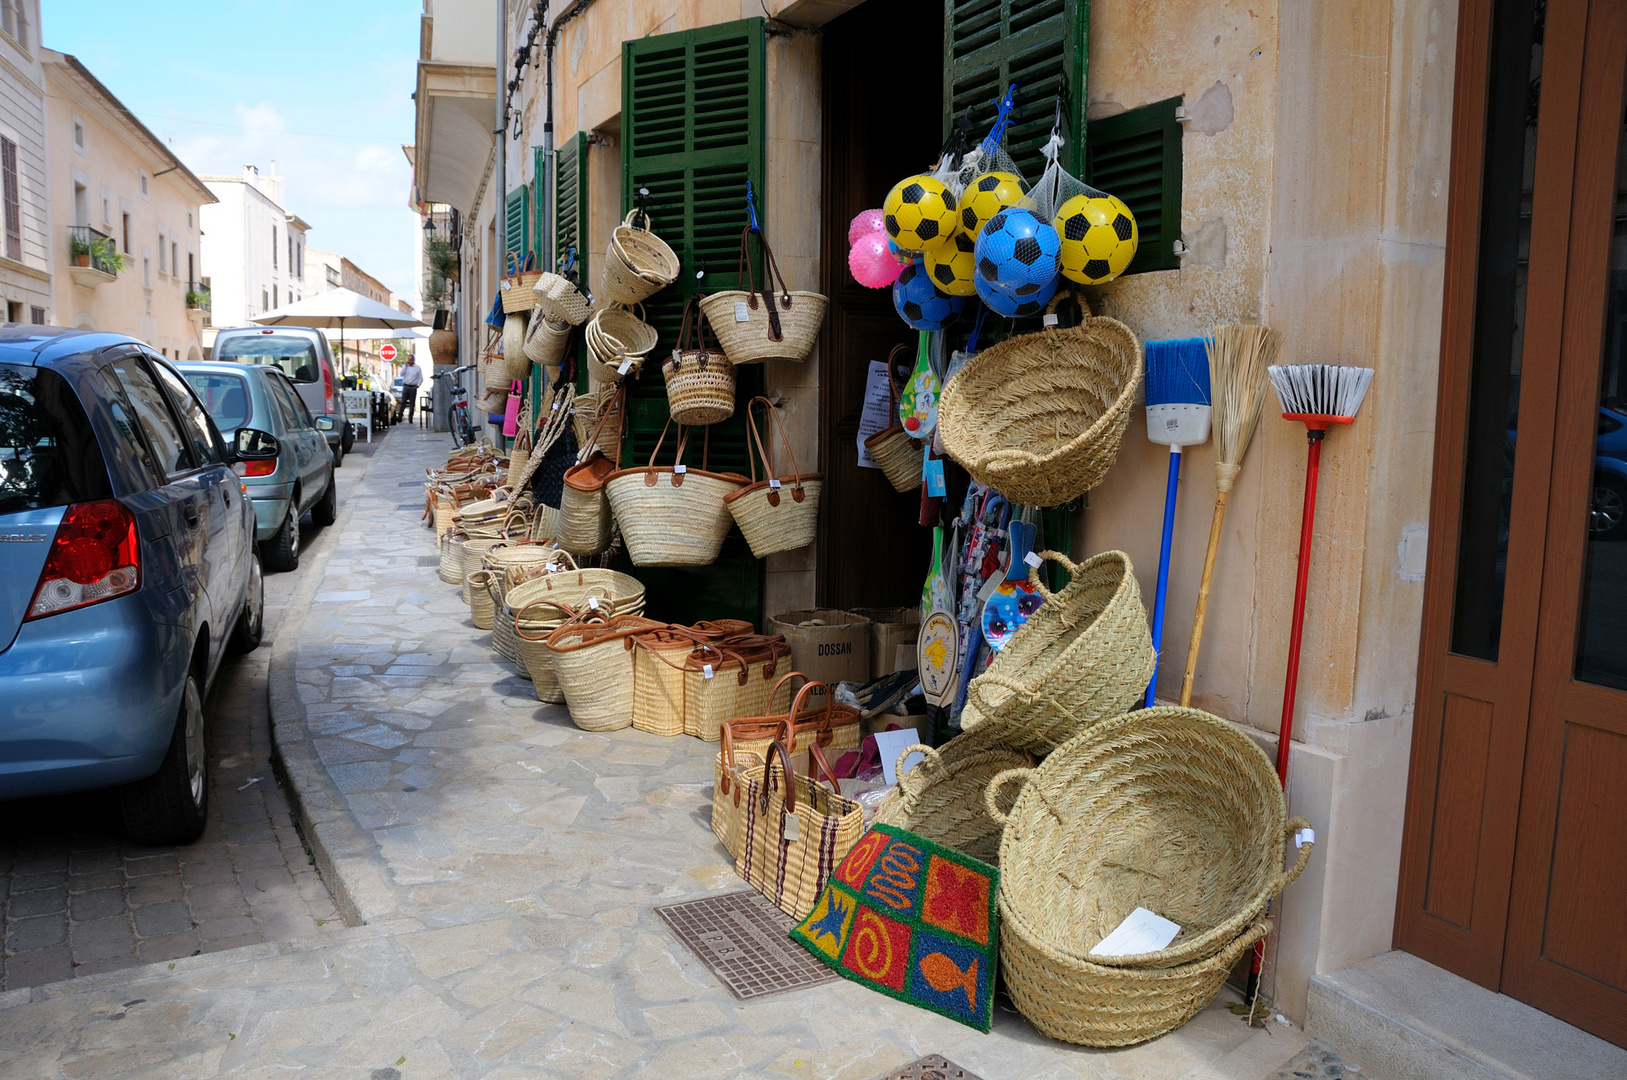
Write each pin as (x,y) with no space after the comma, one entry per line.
(638,264)
(618,341)
(535,607)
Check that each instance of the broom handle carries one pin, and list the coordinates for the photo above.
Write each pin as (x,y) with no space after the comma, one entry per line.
(1203,598)
(1170,491)
(1307,527)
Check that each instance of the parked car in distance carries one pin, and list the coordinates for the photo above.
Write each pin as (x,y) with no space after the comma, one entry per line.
(303,355)
(1608,510)
(127,570)
(299,478)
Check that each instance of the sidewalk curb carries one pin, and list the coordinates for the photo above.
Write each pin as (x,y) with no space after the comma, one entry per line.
(346,856)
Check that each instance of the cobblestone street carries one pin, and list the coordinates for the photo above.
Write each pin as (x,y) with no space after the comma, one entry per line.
(497,867)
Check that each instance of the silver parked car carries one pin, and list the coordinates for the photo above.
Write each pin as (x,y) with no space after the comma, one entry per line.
(299,479)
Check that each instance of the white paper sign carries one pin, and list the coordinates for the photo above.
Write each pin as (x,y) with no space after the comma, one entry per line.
(742,311)
(877,414)
(1140,932)
(891,744)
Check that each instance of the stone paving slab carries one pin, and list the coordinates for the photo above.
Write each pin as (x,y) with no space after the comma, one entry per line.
(506,865)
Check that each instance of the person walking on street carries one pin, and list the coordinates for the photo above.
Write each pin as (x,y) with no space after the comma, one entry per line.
(412,377)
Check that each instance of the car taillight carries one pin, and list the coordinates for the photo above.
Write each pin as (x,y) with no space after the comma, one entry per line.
(95,556)
(327,388)
(255,468)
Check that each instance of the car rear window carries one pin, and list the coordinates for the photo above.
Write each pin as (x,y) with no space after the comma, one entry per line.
(48,453)
(294,356)
(226,397)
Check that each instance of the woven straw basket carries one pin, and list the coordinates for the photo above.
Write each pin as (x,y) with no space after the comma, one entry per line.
(753,327)
(942,797)
(700,380)
(898,455)
(741,684)
(594,666)
(482,604)
(672,515)
(1040,417)
(452,560)
(777,513)
(618,339)
(474,554)
(514,330)
(1084,656)
(1169,809)
(532,625)
(637,265)
(560,300)
(519,292)
(547,339)
(597,419)
(728,775)
(658,679)
(584,508)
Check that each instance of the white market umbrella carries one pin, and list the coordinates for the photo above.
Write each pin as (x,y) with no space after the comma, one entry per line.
(341,308)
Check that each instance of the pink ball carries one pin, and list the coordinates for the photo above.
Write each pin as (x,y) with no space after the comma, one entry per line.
(868,221)
(873,266)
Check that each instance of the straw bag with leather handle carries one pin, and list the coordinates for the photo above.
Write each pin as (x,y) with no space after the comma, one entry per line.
(1040,417)
(835,727)
(517,285)
(584,508)
(777,513)
(730,679)
(638,263)
(754,327)
(795,831)
(700,380)
(1084,656)
(728,775)
(673,515)
(594,666)
(898,455)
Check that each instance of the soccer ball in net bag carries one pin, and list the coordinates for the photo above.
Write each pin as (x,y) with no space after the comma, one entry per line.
(986,196)
(919,213)
(953,265)
(1017,254)
(1099,238)
(920,303)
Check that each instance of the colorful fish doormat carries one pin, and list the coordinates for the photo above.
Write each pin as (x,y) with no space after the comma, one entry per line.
(913,920)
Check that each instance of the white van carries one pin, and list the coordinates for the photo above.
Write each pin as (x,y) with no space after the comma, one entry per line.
(303,355)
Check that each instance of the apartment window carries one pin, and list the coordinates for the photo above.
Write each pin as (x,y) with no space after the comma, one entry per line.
(78,135)
(107,208)
(81,204)
(124,235)
(191,268)
(299,270)
(13,198)
(14,20)
(189,221)
(146,272)
(14,311)
(37,316)
(163,267)
(290,253)
(143,184)
(265,302)
(273,247)
(274,304)
(174,259)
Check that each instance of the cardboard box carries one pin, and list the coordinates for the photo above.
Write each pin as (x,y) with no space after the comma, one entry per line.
(827,645)
(893,633)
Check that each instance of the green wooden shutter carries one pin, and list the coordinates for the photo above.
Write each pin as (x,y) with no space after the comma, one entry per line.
(1136,155)
(517,222)
(693,134)
(570,201)
(1041,45)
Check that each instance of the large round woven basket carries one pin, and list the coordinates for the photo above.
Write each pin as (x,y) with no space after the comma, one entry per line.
(638,263)
(1040,417)
(474,551)
(618,341)
(1169,809)
(1084,656)
(941,798)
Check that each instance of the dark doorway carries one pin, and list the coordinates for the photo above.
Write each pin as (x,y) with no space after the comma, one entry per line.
(871,551)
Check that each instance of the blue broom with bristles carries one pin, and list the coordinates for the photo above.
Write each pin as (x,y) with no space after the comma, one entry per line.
(1177,416)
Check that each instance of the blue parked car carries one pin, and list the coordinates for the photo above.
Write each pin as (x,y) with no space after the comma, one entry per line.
(297,480)
(127,569)
(1608,512)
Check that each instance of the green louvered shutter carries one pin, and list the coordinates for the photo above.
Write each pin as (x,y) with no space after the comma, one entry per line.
(517,222)
(570,201)
(1136,155)
(1041,45)
(693,134)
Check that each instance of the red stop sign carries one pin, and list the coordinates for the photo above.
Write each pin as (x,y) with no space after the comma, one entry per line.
(387,352)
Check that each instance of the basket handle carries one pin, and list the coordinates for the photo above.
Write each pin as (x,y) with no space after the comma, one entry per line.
(1051,556)
(934,761)
(768,458)
(1067,294)
(991,793)
(519,631)
(635,212)
(807,688)
(786,770)
(892,380)
(781,681)
(1305,849)
(770,270)
(613,406)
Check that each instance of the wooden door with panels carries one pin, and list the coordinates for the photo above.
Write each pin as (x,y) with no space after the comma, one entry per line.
(1514,867)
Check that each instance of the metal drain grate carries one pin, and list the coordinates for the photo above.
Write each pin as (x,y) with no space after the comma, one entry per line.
(931,1067)
(744,941)
(429,560)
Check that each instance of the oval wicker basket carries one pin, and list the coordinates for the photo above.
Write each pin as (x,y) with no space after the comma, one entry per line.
(700,386)
(942,797)
(618,340)
(594,666)
(1084,656)
(482,604)
(1040,417)
(892,448)
(637,265)
(560,300)
(452,559)
(658,677)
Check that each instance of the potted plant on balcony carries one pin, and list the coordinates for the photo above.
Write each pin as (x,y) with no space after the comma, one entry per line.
(105,255)
(197,299)
(79,250)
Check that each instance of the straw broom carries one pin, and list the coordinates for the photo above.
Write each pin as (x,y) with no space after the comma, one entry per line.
(1238,358)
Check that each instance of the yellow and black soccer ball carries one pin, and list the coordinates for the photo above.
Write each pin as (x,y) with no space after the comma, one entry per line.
(919,213)
(1099,238)
(953,266)
(986,196)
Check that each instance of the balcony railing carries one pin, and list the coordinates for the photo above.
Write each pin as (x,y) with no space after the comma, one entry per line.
(95,249)
(197,298)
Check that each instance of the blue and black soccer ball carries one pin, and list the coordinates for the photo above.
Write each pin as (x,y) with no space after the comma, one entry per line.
(1017,255)
(1015,307)
(920,302)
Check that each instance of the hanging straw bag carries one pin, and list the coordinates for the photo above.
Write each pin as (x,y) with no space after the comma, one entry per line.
(517,287)
(1084,656)
(638,264)
(673,515)
(618,341)
(777,513)
(752,327)
(547,340)
(700,380)
(594,666)
(788,863)
(1169,809)
(728,775)
(560,300)
(585,524)
(898,455)
(1040,417)
(590,409)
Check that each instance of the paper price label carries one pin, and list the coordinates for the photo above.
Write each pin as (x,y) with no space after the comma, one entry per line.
(680,469)
(773,483)
(742,311)
(626,366)
(1050,319)
(706,670)
(1033,560)
(593,602)
(791,827)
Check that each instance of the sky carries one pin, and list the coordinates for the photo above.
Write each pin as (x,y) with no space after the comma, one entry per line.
(322,88)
